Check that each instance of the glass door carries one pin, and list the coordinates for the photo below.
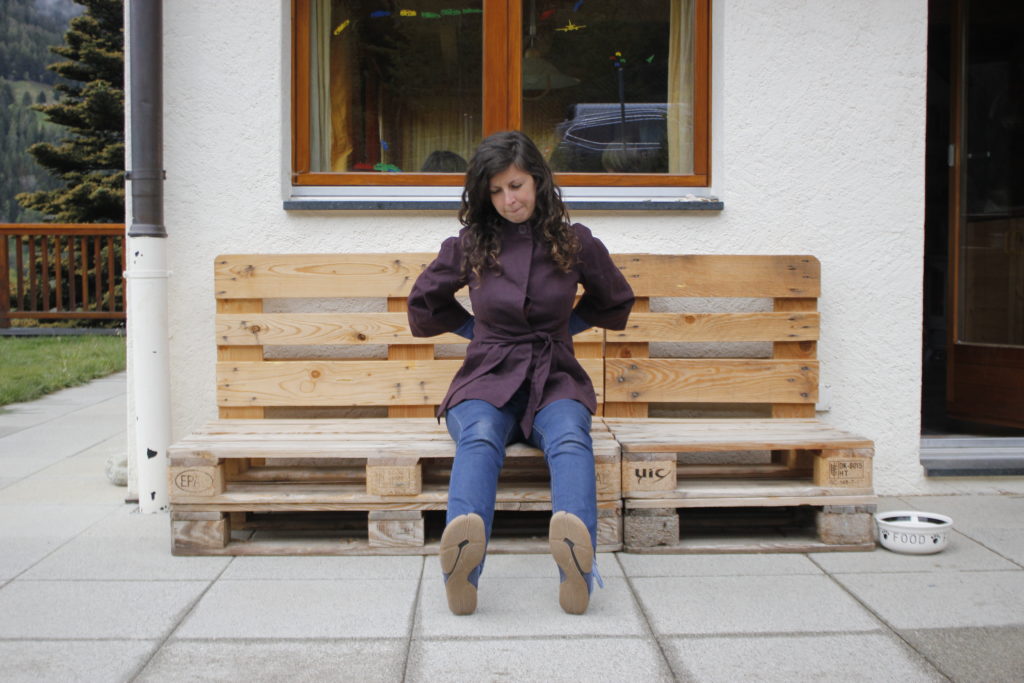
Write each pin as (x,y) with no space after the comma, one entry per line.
(986,369)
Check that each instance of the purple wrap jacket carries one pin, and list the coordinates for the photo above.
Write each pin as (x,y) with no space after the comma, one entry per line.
(521,332)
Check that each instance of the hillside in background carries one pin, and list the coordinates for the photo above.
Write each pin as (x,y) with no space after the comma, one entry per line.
(28,28)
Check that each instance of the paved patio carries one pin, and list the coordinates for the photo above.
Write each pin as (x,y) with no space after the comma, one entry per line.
(89,591)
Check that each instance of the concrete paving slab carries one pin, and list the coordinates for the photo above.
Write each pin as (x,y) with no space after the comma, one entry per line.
(525,607)
(971,513)
(50,442)
(18,416)
(750,604)
(49,521)
(335,568)
(115,559)
(994,654)
(1007,542)
(21,553)
(127,522)
(112,407)
(7,481)
(536,566)
(299,660)
(303,609)
(717,565)
(63,661)
(834,658)
(18,467)
(94,609)
(609,659)
(962,554)
(94,489)
(947,600)
(88,463)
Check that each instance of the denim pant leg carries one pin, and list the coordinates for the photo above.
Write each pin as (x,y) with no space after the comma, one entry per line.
(480,432)
(562,431)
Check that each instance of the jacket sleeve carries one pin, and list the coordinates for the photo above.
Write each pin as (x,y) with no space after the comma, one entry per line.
(607,298)
(432,305)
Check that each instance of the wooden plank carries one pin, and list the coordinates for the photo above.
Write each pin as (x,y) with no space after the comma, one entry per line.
(240,353)
(692,435)
(716,545)
(308,329)
(328,497)
(717,327)
(342,447)
(854,498)
(795,349)
(343,383)
(356,425)
(408,352)
(346,426)
(700,380)
(628,349)
(334,383)
(660,275)
(749,493)
(259,547)
(252,276)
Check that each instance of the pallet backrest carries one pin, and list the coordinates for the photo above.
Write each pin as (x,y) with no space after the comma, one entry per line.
(266,302)
(774,300)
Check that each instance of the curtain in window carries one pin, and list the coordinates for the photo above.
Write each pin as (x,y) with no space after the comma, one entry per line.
(320,88)
(680,88)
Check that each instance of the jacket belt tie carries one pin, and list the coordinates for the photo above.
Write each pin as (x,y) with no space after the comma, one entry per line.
(542,359)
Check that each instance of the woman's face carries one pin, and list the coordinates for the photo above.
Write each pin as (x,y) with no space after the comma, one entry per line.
(513,194)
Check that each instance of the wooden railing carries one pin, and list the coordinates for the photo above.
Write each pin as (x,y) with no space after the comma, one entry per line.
(52,271)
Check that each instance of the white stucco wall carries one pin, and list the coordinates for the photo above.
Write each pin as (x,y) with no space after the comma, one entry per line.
(818,147)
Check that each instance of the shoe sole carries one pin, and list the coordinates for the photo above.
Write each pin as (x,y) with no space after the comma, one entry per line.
(462,549)
(571,547)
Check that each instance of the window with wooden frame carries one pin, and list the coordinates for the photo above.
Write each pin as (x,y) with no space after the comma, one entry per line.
(400,92)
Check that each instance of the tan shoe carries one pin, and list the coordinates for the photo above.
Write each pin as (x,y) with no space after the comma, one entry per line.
(462,550)
(572,549)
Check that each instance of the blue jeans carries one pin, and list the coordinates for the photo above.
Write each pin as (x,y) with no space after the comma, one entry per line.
(481,432)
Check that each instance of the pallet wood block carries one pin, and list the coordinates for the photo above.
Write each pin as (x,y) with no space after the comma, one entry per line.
(195,532)
(395,528)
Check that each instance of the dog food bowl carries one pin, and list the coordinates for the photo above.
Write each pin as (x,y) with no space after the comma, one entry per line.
(912,532)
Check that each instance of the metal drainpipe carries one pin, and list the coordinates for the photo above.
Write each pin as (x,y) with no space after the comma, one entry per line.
(147,257)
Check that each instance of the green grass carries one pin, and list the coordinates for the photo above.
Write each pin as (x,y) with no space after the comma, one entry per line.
(31,367)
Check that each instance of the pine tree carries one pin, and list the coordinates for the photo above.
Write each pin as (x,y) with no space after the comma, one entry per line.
(90,161)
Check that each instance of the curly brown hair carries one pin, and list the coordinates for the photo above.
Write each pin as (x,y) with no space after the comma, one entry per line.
(550,220)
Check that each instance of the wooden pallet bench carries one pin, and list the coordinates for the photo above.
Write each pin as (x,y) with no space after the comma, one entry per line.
(760,312)
(304,342)
(708,440)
